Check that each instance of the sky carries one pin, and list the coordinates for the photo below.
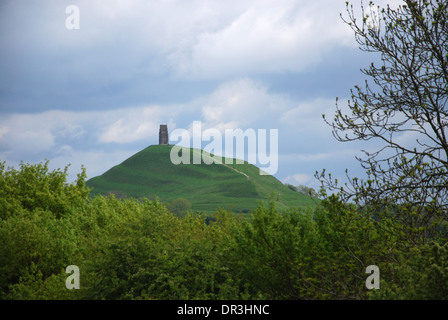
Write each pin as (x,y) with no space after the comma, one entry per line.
(94,94)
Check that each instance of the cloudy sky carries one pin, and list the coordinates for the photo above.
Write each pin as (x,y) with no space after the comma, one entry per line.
(96,95)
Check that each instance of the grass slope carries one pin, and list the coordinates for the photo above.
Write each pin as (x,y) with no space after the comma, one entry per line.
(150,173)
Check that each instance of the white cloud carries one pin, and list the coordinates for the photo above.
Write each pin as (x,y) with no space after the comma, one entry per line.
(306,117)
(266,36)
(298,178)
(77,138)
(26,133)
(326,155)
(200,39)
(3,131)
(241,104)
(132,124)
(57,131)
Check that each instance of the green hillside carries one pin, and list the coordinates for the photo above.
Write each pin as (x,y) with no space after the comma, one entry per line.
(150,173)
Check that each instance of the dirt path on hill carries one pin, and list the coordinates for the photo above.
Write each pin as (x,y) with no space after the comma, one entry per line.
(220,162)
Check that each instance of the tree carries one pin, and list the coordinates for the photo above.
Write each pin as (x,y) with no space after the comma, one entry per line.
(406,109)
(308,191)
(39,235)
(179,206)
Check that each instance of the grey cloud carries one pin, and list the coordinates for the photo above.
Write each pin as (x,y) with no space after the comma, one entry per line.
(188,58)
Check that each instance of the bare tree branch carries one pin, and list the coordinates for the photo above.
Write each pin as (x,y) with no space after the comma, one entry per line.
(407,97)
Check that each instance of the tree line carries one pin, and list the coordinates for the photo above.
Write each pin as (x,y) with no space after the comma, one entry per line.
(134,249)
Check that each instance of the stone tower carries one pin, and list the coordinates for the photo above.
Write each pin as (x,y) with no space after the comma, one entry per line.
(163,134)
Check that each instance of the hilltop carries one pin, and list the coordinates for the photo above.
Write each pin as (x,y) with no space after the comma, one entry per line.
(239,187)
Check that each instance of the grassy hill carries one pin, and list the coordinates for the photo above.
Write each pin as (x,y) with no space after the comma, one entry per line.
(150,173)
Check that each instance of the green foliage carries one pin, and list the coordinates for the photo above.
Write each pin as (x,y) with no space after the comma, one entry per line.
(159,256)
(274,251)
(134,249)
(308,191)
(399,222)
(421,273)
(179,207)
(320,254)
(33,186)
(37,239)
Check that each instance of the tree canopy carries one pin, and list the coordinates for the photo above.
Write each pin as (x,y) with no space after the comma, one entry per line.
(403,105)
